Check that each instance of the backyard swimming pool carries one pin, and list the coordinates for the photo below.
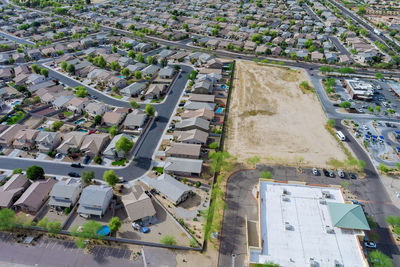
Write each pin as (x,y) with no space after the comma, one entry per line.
(122,77)
(80,121)
(223,86)
(220,111)
(16,103)
(104,230)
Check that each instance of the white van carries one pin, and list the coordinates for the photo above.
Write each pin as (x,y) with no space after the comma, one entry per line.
(340,135)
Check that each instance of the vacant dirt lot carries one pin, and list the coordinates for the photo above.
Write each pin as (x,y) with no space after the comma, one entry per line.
(270,117)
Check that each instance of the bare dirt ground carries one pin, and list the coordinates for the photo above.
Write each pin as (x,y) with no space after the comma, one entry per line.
(270,117)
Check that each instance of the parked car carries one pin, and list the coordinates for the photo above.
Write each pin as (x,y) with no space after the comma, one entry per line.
(315,171)
(145,230)
(355,202)
(76,165)
(369,244)
(331,174)
(352,175)
(340,173)
(326,173)
(74,174)
(86,159)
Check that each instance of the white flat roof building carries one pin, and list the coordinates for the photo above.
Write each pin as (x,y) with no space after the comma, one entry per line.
(295,228)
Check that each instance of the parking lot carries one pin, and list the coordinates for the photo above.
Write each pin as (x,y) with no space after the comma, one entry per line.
(49,252)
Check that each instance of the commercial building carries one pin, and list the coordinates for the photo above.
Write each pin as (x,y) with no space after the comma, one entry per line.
(359,89)
(302,225)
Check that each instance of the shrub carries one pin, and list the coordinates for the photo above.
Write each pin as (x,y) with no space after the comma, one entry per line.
(213,145)
(168,240)
(17,171)
(198,184)
(97,160)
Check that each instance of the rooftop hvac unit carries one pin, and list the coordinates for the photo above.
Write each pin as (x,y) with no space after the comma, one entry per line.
(285,198)
(322,200)
(326,194)
(288,226)
(337,264)
(313,263)
(285,192)
(329,229)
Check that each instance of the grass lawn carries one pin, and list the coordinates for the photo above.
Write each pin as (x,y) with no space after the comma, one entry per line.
(117,96)
(68,113)
(158,100)
(15,117)
(120,162)
(159,170)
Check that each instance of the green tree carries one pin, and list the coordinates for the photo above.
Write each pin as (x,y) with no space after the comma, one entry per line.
(7,219)
(86,231)
(138,74)
(132,54)
(44,72)
(54,227)
(140,58)
(378,109)
(214,145)
(110,177)
(266,174)
(114,49)
(379,75)
(325,69)
(57,125)
(64,65)
(168,240)
(43,223)
(35,68)
(125,72)
(114,224)
(97,119)
(34,173)
(80,91)
(331,122)
(17,171)
(149,109)
(100,62)
(218,160)
(71,68)
(378,259)
(87,177)
(345,105)
(115,66)
(124,144)
(134,105)
(113,130)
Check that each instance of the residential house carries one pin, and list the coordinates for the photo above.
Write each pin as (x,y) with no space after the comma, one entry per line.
(93,144)
(203,87)
(135,119)
(35,196)
(166,73)
(115,81)
(173,190)
(150,70)
(25,139)
(191,105)
(35,79)
(193,123)
(7,136)
(198,113)
(182,150)
(183,167)
(95,108)
(202,98)
(138,205)
(95,200)
(77,105)
(133,89)
(111,152)
(111,118)
(47,141)
(65,193)
(155,91)
(194,136)
(13,189)
(61,101)
(71,140)
(5,74)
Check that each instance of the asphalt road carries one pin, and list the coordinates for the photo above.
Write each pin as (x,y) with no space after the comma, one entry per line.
(142,162)
(16,39)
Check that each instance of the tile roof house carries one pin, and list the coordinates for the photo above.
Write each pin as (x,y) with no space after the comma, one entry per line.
(25,139)
(111,118)
(61,101)
(194,136)
(94,109)
(13,189)
(93,144)
(71,140)
(133,89)
(155,91)
(202,98)
(192,105)
(135,119)
(198,113)
(95,200)
(166,73)
(47,141)
(35,196)
(173,190)
(7,136)
(182,150)
(138,204)
(111,152)
(77,104)
(183,167)
(65,193)
(193,123)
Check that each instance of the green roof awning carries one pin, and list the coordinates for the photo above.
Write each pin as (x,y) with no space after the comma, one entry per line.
(348,216)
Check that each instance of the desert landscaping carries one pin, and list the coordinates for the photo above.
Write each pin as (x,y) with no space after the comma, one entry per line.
(272,118)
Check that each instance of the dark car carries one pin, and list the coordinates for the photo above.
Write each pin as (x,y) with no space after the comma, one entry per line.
(86,159)
(76,165)
(352,175)
(326,173)
(74,174)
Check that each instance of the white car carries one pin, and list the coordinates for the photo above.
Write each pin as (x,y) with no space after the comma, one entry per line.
(315,171)
(369,244)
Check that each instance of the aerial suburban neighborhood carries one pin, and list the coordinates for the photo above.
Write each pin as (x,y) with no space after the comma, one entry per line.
(201,133)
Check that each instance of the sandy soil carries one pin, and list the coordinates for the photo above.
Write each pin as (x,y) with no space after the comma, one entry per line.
(270,117)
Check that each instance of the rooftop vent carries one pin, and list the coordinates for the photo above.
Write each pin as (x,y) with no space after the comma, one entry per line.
(288,226)
(329,229)
(285,198)
(322,201)
(326,194)
(285,192)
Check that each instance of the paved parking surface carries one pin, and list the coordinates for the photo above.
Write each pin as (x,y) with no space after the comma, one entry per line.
(52,253)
